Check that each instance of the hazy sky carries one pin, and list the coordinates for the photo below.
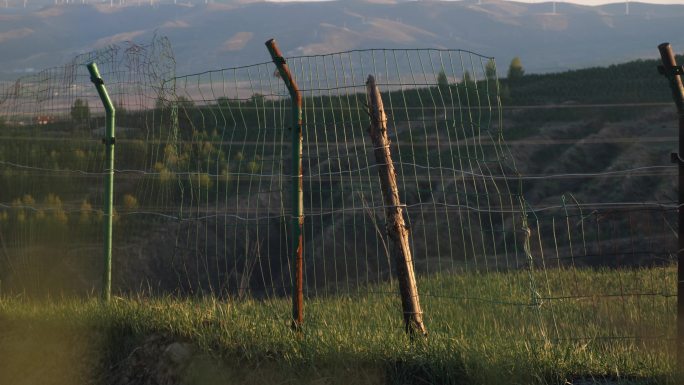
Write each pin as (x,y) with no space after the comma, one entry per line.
(598,2)
(584,2)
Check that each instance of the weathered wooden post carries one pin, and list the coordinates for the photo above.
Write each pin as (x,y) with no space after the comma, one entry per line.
(396,227)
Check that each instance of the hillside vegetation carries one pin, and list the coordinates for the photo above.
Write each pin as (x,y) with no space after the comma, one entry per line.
(592,121)
(632,82)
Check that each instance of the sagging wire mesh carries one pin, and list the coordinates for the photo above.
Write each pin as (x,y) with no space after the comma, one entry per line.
(456,177)
(248,110)
(225,182)
(52,163)
(463,202)
(608,267)
(478,246)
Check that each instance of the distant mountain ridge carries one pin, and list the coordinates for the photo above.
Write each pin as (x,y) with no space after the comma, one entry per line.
(213,35)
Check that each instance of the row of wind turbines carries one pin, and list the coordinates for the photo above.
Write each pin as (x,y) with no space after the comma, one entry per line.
(112,3)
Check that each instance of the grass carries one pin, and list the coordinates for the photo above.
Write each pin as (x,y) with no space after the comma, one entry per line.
(482,331)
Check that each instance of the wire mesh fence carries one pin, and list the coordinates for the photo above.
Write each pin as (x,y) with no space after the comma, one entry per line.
(53,164)
(203,203)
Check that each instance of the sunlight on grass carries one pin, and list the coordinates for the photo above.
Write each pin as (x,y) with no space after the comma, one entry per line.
(482,327)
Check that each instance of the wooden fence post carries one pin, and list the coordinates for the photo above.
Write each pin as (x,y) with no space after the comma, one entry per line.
(396,227)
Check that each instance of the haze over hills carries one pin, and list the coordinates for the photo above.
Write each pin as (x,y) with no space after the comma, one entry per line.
(209,36)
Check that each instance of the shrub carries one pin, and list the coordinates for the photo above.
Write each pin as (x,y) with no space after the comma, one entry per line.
(130,202)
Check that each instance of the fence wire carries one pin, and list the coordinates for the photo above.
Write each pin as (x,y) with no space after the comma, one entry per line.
(202,197)
(52,164)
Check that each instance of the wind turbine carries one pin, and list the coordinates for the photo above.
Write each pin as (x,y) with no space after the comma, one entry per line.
(627,7)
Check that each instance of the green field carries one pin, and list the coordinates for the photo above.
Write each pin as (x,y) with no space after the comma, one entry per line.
(482,331)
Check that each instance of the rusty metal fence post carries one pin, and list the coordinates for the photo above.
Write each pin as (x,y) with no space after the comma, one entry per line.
(396,227)
(297,184)
(674,73)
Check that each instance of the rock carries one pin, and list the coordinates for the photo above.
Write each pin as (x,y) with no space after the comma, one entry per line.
(158,361)
(179,353)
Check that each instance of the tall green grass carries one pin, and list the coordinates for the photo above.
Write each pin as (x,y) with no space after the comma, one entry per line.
(495,328)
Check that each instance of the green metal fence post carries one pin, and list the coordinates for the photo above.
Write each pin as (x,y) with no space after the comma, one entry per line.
(297,184)
(108,141)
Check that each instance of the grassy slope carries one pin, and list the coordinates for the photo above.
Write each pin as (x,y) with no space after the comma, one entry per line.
(492,337)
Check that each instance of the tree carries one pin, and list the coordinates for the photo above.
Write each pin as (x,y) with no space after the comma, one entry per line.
(468,80)
(442,81)
(223,101)
(515,69)
(257,98)
(80,111)
(119,108)
(505,94)
(160,103)
(130,202)
(490,70)
(121,113)
(184,103)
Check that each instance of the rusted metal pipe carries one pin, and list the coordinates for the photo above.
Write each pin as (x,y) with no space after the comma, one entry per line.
(297,184)
(673,72)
